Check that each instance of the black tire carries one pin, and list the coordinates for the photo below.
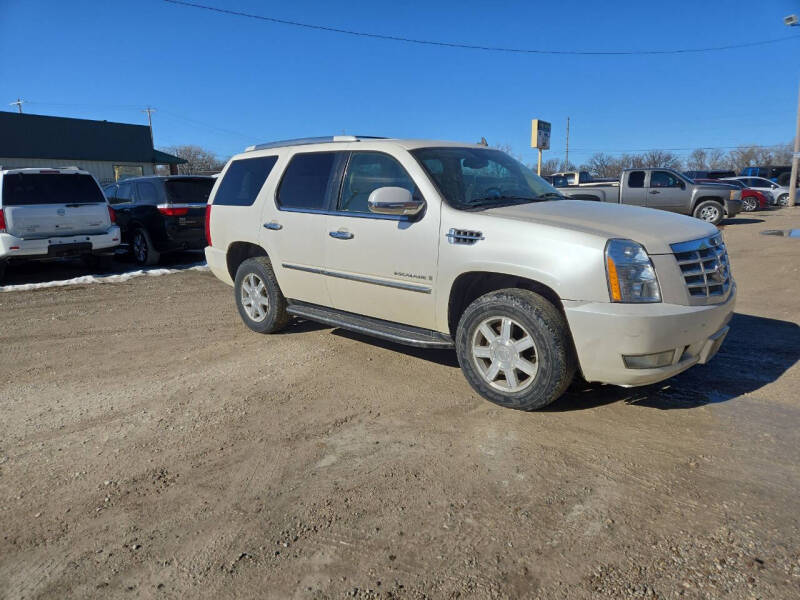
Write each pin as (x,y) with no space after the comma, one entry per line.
(553,353)
(142,249)
(2,270)
(709,211)
(275,316)
(749,204)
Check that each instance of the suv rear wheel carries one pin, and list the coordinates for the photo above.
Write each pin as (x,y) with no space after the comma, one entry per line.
(143,250)
(259,299)
(514,349)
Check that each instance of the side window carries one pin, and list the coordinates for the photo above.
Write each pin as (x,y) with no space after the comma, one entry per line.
(663,179)
(307,180)
(243,181)
(366,172)
(124,193)
(636,179)
(146,193)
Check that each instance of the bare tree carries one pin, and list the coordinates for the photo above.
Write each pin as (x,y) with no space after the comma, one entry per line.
(603,165)
(198,160)
(550,166)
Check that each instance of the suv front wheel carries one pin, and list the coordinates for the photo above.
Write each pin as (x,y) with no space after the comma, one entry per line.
(261,304)
(515,350)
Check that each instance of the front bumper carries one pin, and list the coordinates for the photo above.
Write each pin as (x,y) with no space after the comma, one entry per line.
(12,247)
(603,333)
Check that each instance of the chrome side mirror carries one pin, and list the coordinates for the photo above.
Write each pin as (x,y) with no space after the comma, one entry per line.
(394,201)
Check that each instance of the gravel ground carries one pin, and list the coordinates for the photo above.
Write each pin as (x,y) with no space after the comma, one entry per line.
(153,447)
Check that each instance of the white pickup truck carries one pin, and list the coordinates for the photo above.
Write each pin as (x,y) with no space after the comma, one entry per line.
(54,213)
(448,245)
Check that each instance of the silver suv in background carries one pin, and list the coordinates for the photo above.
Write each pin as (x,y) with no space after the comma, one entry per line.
(47,214)
(451,245)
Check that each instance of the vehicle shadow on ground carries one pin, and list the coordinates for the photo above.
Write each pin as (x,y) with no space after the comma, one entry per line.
(740,221)
(59,270)
(756,352)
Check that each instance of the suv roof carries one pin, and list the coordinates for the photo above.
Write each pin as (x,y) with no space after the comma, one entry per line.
(161,177)
(408,144)
(46,170)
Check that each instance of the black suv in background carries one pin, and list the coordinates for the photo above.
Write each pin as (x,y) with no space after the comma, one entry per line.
(161,214)
(714,174)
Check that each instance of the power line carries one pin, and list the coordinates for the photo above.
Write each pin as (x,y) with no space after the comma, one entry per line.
(395,38)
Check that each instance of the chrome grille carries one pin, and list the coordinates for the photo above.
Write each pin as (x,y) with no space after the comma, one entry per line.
(705,266)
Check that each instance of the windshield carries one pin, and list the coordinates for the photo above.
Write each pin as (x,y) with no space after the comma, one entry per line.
(477,177)
(189,191)
(20,189)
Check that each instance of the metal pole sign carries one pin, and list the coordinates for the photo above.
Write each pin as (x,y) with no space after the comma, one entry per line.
(540,134)
(540,139)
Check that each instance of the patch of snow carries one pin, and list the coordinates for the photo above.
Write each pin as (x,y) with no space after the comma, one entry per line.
(84,279)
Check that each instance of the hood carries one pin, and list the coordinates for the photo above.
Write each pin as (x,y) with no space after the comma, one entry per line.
(654,229)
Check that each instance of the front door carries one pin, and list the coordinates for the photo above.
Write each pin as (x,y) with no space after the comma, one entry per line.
(379,265)
(666,191)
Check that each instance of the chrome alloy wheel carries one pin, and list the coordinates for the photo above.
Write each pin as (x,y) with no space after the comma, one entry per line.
(709,214)
(254,297)
(749,204)
(504,354)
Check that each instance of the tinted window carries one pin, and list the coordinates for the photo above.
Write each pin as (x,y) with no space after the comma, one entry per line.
(191,191)
(37,188)
(305,183)
(366,172)
(124,192)
(664,179)
(243,181)
(146,193)
(636,179)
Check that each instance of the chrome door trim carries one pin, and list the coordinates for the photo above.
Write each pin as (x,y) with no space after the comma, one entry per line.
(410,287)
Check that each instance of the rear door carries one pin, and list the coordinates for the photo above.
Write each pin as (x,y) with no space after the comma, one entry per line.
(122,203)
(632,190)
(53,203)
(294,221)
(666,191)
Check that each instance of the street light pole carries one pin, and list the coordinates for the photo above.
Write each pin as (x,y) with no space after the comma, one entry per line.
(793,21)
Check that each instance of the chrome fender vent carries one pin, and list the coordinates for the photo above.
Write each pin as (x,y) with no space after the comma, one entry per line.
(464,236)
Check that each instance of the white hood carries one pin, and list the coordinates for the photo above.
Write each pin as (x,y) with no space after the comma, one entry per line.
(654,229)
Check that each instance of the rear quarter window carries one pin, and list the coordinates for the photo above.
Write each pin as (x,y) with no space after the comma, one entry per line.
(21,189)
(243,180)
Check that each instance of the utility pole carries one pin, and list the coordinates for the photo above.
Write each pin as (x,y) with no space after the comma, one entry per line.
(566,154)
(795,159)
(793,21)
(150,112)
(19,104)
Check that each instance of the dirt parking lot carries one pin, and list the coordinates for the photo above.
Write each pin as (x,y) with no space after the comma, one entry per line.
(153,447)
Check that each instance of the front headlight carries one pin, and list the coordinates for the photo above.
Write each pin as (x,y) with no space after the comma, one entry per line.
(631,276)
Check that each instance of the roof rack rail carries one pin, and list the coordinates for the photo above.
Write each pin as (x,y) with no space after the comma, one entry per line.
(326,139)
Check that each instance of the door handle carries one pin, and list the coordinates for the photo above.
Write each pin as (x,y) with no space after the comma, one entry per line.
(273,226)
(654,192)
(341,235)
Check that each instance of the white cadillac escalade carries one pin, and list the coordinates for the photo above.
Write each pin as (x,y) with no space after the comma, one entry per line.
(442,245)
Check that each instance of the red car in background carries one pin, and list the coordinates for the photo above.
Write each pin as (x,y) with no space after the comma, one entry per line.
(751,199)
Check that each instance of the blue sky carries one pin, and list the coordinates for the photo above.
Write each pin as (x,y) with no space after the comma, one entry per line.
(225,82)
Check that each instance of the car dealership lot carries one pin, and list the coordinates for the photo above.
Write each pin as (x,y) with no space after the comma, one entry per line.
(152,444)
